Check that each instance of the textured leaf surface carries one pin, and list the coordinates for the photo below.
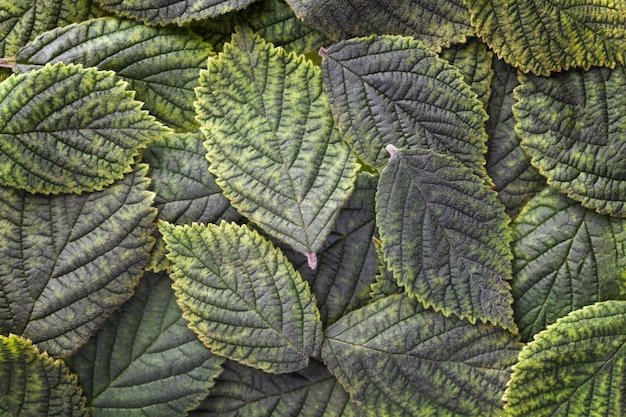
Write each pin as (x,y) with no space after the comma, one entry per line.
(391,90)
(180,12)
(145,361)
(69,261)
(566,257)
(398,359)
(515,179)
(33,384)
(575,368)
(445,236)
(65,128)
(160,64)
(272,143)
(552,36)
(242,296)
(22,20)
(245,392)
(436,23)
(571,125)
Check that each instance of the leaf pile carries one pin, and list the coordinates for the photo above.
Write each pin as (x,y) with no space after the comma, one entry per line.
(312,208)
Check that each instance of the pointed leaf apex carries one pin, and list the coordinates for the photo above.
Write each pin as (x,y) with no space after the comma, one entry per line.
(392,150)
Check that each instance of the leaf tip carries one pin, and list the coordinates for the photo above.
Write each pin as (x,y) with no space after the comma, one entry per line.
(311,259)
(392,150)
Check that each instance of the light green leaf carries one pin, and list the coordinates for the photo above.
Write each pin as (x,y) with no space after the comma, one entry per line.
(33,384)
(398,359)
(570,124)
(566,257)
(242,296)
(144,361)
(452,252)
(515,179)
(552,36)
(69,261)
(160,64)
(272,142)
(273,20)
(22,20)
(574,368)
(437,23)
(179,12)
(391,90)
(65,128)
(474,61)
(245,392)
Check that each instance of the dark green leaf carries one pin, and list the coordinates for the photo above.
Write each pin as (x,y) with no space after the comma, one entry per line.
(566,257)
(242,296)
(146,333)
(515,179)
(245,392)
(179,12)
(571,126)
(552,36)
(69,261)
(160,64)
(391,90)
(272,142)
(398,359)
(65,128)
(452,252)
(437,23)
(574,368)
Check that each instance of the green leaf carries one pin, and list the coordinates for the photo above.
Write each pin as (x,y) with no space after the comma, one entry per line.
(474,61)
(515,179)
(398,359)
(385,283)
(179,12)
(65,128)
(160,64)
(437,23)
(570,124)
(574,368)
(391,90)
(242,296)
(452,252)
(566,257)
(22,20)
(185,189)
(273,20)
(552,36)
(33,384)
(147,332)
(243,391)
(69,261)
(272,143)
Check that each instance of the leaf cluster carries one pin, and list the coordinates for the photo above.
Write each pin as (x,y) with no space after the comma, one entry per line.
(312,208)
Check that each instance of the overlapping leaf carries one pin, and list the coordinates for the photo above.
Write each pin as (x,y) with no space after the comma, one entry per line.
(272,142)
(445,236)
(552,36)
(571,125)
(22,20)
(148,332)
(391,90)
(65,128)
(566,257)
(436,23)
(179,12)
(242,296)
(69,261)
(515,179)
(574,368)
(33,384)
(243,391)
(160,64)
(399,359)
